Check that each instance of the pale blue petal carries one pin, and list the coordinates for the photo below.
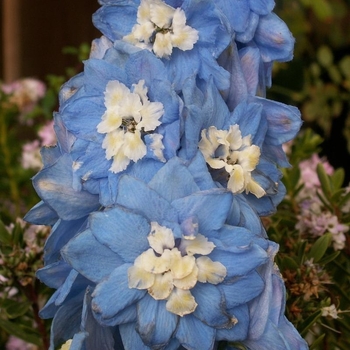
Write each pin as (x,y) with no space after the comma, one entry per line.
(60,234)
(243,289)
(239,331)
(173,181)
(92,259)
(41,214)
(116,21)
(122,231)
(138,196)
(211,308)
(194,334)
(274,39)
(261,7)
(211,208)
(131,339)
(155,324)
(55,186)
(113,295)
(239,260)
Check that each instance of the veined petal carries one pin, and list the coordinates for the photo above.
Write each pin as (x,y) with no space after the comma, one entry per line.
(152,263)
(113,142)
(181,266)
(154,323)
(162,46)
(140,278)
(150,116)
(189,281)
(162,286)
(210,271)
(161,14)
(160,238)
(181,302)
(198,245)
(133,147)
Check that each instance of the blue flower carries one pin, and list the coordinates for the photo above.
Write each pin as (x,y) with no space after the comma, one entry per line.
(186,35)
(269,328)
(113,134)
(239,147)
(169,258)
(243,14)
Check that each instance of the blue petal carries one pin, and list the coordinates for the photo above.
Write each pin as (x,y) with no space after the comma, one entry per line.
(41,214)
(61,330)
(155,324)
(194,334)
(116,21)
(211,208)
(138,196)
(173,181)
(198,168)
(113,295)
(238,89)
(261,7)
(97,73)
(237,12)
(98,337)
(60,234)
(55,274)
(122,231)
(54,186)
(284,121)
(239,260)
(239,331)
(82,117)
(251,65)
(274,39)
(243,289)
(92,259)
(131,339)
(211,308)
(248,34)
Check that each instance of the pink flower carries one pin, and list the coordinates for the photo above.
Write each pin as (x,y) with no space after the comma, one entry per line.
(25,93)
(308,173)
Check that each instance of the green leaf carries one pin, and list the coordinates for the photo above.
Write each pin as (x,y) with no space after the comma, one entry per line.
(319,248)
(289,263)
(325,56)
(324,180)
(327,259)
(309,322)
(14,308)
(5,236)
(337,178)
(317,342)
(345,66)
(20,331)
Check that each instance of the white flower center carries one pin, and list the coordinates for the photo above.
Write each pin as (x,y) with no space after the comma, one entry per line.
(161,27)
(226,149)
(169,269)
(128,115)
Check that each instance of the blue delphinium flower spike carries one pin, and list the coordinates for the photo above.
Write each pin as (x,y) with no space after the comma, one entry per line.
(186,35)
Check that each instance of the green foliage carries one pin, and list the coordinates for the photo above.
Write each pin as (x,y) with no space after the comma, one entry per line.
(314,260)
(22,115)
(318,79)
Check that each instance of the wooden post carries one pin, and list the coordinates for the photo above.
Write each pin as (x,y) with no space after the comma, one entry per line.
(11,40)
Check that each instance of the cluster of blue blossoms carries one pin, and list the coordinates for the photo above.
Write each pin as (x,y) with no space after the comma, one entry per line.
(167,156)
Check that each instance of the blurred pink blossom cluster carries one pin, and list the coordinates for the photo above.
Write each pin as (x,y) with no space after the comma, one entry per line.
(314,217)
(24,93)
(18,344)
(31,158)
